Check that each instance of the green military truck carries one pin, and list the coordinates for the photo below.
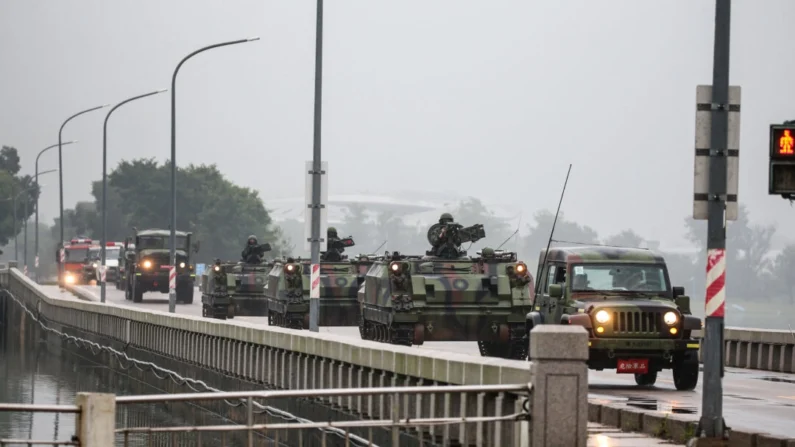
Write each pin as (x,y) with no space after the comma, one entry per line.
(147,270)
(637,322)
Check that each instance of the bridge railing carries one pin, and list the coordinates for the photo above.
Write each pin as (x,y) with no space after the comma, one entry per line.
(271,357)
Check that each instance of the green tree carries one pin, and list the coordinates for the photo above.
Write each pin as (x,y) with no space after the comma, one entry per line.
(783,266)
(13,185)
(219,213)
(747,249)
(626,238)
(565,230)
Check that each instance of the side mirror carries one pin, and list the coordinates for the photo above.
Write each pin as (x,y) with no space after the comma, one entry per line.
(678,291)
(196,246)
(555,291)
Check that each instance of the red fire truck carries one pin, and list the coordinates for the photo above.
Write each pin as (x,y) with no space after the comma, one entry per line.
(72,257)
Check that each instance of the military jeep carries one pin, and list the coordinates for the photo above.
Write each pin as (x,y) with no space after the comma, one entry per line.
(637,322)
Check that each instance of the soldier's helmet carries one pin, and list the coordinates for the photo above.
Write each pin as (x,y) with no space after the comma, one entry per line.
(331,232)
(445,218)
(252,240)
(487,252)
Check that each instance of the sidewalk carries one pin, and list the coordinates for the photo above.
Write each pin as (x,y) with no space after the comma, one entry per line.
(603,436)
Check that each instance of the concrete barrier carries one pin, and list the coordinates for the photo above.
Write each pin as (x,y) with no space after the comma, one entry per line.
(287,359)
(751,348)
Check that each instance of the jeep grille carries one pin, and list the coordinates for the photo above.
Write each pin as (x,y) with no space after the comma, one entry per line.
(637,322)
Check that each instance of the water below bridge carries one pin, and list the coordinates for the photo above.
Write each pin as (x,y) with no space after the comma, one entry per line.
(38,369)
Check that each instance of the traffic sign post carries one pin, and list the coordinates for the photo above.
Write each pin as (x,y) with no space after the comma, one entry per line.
(718,148)
(781,174)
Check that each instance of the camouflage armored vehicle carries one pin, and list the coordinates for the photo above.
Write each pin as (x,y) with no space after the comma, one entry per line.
(289,286)
(449,296)
(148,267)
(637,322)
(232,289)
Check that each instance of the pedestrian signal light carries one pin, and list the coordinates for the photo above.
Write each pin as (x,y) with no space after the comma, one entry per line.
(781,179)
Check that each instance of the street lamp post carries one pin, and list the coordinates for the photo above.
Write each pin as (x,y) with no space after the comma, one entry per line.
(25,243)
(104,241)
(314,302)
(60,174)
(36,247)
(172,292)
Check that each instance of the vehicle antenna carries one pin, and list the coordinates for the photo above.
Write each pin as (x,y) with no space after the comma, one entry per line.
(379,247)
(518,226)
(552,232)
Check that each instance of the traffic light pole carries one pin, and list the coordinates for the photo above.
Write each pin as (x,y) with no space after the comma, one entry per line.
(711,423)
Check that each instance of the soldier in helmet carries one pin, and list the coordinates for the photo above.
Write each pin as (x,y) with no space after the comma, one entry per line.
(333,253)
(252,254)
(443,245)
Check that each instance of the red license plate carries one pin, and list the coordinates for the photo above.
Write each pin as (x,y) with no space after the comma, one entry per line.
(632,366)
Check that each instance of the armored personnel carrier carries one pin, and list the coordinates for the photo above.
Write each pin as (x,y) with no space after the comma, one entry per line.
(637,323)
(449,296)
(232,289)
(289,287)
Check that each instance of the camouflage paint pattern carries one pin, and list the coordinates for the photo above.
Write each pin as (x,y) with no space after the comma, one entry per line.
(339,285)
(243,287)
(636,326)
(466,299)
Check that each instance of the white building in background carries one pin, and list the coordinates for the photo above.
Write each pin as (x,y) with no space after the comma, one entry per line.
(420,209)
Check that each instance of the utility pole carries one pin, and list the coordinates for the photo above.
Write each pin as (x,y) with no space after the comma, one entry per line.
(316,173)
(717,158)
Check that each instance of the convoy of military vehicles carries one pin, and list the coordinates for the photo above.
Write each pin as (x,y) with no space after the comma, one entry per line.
(637,322)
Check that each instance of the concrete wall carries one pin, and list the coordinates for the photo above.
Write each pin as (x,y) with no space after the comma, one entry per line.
(283,358)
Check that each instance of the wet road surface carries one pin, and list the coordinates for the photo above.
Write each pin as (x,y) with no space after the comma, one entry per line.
(758,401)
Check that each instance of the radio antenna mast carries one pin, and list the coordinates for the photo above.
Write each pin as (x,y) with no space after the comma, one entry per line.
(552,232)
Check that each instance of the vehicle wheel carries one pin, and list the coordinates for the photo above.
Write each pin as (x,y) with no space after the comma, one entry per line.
(137,293)
(686,371)
(647,379)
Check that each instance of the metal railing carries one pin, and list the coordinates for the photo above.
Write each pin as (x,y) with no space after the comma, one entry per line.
(34,408)
(397,416)
(399,412)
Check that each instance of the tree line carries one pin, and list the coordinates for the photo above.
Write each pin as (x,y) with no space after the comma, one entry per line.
(222,215)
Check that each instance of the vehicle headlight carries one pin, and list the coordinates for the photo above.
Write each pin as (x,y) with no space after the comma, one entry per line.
(670,318)
(95,265)
(602,316)
(69,278)
(147,264)
(182,265)
(217,268)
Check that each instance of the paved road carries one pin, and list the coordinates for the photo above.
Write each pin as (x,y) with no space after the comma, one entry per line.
(753,400)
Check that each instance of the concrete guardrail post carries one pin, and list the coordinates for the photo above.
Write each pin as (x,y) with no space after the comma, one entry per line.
(559,376)
(13,264)
(96,425)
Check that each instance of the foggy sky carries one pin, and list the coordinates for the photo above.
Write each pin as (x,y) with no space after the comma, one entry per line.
(489,99)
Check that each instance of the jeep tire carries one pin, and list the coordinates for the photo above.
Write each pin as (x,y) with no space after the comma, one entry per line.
(686,369)
(648,379)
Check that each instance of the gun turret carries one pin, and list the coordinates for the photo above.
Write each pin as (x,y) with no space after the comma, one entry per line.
(335,247)
(253,253)
(446,239)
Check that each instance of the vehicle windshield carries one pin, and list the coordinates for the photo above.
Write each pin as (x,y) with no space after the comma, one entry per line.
(619,278)
(160,243)
(75,254)
(112,252)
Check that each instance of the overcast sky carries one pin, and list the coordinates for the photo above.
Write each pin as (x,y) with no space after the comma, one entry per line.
(490,99)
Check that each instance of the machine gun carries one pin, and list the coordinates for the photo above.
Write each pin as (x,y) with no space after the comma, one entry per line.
(253,254)
(335,248)
(446,239)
